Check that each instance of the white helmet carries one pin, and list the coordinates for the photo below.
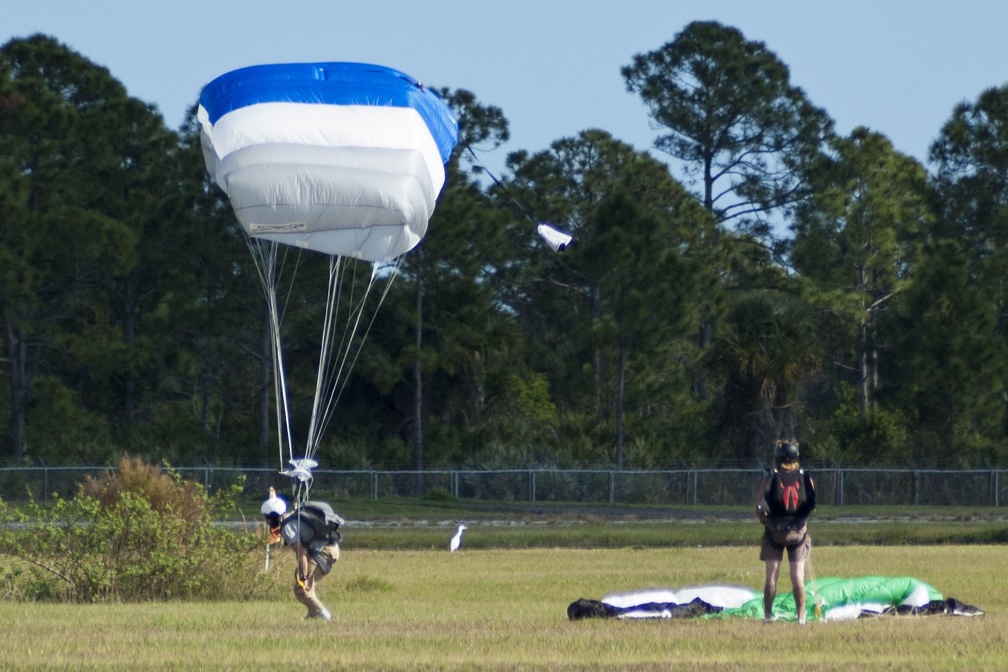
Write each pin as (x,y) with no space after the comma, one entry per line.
(273,505)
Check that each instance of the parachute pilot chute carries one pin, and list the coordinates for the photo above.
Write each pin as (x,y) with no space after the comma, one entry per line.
(554,237)
(344,159)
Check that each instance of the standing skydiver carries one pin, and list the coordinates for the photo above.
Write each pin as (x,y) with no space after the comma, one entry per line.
(786,498)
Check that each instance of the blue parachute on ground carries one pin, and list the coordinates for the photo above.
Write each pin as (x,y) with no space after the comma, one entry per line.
(829,599)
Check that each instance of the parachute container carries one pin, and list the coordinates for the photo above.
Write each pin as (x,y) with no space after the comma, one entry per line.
(343,158)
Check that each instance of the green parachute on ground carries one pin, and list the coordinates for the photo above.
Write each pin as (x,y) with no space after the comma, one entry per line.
(829,599)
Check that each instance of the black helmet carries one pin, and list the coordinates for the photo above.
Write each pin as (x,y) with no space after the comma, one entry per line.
(786,451)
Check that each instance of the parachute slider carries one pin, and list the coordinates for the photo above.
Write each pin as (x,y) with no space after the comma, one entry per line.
(555,238)
(301,469)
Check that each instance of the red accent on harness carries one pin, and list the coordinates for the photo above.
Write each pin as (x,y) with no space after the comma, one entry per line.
(790,496)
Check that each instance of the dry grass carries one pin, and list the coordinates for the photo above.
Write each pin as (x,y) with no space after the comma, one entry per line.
(506,610)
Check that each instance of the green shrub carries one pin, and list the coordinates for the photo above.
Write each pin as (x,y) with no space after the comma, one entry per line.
(136,534)
(438,495)
(165,493)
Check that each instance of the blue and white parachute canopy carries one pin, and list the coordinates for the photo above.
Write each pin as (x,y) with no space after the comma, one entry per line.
(343,158)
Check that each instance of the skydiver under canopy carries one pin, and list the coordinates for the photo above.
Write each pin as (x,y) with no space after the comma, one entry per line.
(311,529)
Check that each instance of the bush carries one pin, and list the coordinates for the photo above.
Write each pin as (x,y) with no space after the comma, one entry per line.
(165,493)
(136,534)
(438,495)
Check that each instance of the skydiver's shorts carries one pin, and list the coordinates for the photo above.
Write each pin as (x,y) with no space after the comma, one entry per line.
(797,552)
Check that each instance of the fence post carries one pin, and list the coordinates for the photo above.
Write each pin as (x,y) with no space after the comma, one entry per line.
(916,487)
(532,485)
(612,486)
(374,484)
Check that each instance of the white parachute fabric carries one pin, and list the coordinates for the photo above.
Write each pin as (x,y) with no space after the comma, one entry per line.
(714,595)
(641,604)
(554,237)
(344,159)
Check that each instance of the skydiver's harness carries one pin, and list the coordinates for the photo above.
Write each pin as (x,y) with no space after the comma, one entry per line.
(789,501)
(314,525)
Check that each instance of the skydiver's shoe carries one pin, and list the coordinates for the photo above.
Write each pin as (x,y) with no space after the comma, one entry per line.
(324,615)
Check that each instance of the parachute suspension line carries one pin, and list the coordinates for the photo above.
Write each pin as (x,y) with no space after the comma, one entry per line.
(356,351)
(264,253)
(333,291)
(521,207)
(334,376)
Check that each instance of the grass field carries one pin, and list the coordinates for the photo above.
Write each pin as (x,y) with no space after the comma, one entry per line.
(495,608)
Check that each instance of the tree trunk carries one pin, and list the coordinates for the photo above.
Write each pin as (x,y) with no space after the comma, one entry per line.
(863,375)
(17,352)
(129,337)
(703,340)
(601,405)
(418,451)
(620,387)
(205,397)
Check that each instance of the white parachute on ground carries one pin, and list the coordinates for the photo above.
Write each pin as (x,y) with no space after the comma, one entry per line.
(636,604)
(344,159)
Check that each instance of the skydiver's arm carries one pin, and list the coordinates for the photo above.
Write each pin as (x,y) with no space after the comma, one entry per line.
(302,560)
(810,496)
(760,505)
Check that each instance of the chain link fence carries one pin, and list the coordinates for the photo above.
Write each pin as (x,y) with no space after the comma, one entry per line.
(675,487)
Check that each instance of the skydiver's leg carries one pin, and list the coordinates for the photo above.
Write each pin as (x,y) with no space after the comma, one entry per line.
(797,555)
(772,554)
(770,588)
(331,553)
(304,591)
(798,587)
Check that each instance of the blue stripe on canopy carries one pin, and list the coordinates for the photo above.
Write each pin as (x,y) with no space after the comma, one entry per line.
(330,84)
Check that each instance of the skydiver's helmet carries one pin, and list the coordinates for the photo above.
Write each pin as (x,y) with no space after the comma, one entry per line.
(786,451)
(273,508)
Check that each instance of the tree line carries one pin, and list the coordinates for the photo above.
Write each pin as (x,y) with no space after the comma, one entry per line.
(765,277)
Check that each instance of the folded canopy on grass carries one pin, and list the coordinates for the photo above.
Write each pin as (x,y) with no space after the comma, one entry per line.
(829,599)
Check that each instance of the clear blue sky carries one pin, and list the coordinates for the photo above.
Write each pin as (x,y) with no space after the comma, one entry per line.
(896,66)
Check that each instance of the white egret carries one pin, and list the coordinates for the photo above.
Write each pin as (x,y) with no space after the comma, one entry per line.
(457,539)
